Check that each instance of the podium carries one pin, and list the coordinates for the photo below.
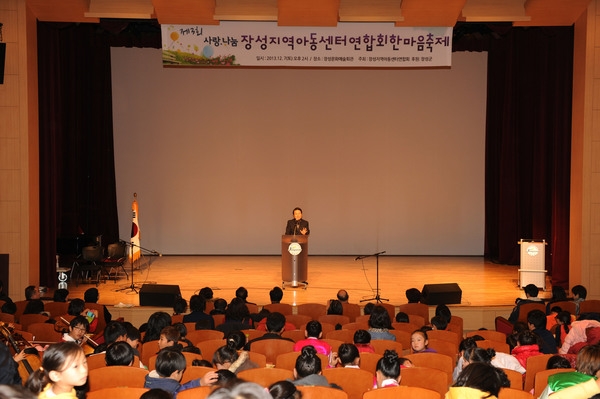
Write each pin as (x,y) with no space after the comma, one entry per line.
(294,260)
(533,263)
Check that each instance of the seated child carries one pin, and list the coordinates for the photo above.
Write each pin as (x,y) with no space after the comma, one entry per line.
(387,371)
(348,356)
(119,354)
(170,365)
(362,340)
(78,327)
(419,341)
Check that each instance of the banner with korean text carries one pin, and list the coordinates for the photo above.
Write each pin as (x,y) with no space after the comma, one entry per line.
(266,44)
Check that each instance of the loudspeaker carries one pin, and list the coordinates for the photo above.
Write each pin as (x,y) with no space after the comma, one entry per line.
(159,295)
(441,294)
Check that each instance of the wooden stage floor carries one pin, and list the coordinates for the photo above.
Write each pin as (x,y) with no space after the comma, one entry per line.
(483,284)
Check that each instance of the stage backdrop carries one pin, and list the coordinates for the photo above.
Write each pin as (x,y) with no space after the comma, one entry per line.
(378,159)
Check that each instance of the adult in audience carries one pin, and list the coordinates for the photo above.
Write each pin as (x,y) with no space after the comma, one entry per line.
(197,307)
(380,324)
(536,321)
(60,295)
(276,295)
(242,293)
(156,322)
(32,292)
(237,317)
(579,294)
(413,295)
(275,327)
(531,293)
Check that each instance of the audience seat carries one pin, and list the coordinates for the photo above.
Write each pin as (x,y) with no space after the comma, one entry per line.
(381,345)
(195,393)
(496,345)
(534,364)
(444,335)
(295,335)
(341,335)
(283,308)
(525,308)
(147,350)
(406,327)
(419,309)
(515,378)
(266,376)
(357,325)
(444,347)
(203,335)
(194,373)
(354,382)
(435,361)
(416,319)
(120,393)
(116,376)
(402,337)
(334,319)
(589,305)
(258,358)
(424,377)
(403,392)
(27,319)
(314,392)
(44,332)
(510,393)
(272,347)
(298,320)
(541,379)
(368,361)
(312,310)
(56,308)
(491,335)
(208,347)
(456,325)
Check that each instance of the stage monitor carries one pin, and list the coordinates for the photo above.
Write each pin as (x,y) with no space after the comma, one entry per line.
(159,295)
(441,294)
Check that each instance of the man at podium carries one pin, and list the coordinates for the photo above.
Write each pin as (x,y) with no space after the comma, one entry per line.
(297,225)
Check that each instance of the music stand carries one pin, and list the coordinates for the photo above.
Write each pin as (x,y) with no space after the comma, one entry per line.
(377,297)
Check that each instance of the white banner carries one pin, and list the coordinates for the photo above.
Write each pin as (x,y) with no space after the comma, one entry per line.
(266,44)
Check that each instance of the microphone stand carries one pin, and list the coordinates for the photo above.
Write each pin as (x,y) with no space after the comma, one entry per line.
(131,245)
(377,298)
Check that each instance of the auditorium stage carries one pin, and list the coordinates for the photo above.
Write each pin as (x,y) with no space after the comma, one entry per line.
(488,289)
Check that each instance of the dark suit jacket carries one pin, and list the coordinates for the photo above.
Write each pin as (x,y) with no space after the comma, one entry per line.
(291,225)
(195,317)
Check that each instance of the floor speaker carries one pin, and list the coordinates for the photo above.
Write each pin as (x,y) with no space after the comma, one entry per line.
(441,294)
(159,295)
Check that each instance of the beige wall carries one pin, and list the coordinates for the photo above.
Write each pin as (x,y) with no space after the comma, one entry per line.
(585,163)
(19,192)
